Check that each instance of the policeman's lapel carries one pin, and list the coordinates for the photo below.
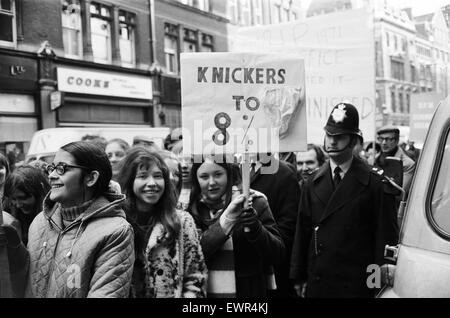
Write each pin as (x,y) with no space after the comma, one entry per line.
(354,182)
(323,184)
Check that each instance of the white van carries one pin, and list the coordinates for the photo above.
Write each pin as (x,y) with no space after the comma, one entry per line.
(46,142)
(422,256)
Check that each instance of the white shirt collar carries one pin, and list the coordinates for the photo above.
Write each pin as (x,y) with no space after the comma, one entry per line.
(344,167)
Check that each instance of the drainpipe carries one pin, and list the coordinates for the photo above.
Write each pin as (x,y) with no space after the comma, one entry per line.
(155,68)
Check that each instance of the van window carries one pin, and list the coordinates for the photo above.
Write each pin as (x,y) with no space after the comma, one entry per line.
(440,202)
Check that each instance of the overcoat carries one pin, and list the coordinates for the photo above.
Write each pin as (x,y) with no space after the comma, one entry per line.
(340,232)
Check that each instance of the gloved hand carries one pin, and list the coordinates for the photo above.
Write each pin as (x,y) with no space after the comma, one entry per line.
(249,221)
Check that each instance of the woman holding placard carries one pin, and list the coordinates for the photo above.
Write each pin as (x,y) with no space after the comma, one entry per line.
(240,246)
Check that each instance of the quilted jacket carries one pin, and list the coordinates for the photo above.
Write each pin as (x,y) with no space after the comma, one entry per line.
(91,257)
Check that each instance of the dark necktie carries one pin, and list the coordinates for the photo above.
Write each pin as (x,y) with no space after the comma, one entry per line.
(337,176)
(252,170)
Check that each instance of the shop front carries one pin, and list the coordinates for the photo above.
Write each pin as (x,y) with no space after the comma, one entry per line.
(19,114)
(97,97)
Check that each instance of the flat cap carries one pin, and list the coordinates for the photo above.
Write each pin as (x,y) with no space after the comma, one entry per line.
(388,129)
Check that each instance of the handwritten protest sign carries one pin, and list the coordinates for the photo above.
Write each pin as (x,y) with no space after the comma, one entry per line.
(338,49)
(226,96)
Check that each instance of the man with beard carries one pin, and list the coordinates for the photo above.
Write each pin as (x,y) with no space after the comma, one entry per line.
(345,220)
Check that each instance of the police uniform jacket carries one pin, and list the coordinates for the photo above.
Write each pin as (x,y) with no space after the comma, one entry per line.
(341,232)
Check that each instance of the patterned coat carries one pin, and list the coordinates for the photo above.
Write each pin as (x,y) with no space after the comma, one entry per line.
(91,257)
(177,271)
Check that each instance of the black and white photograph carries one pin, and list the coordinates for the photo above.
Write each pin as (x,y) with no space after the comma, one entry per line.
(250,155)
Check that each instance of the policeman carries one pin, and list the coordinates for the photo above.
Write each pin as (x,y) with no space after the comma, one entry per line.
(345,218)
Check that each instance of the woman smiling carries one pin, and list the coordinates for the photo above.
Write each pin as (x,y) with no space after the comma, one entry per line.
(169,261)
(81,244)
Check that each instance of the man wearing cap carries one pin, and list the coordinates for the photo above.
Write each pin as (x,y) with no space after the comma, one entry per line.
(345,218)
(388,137)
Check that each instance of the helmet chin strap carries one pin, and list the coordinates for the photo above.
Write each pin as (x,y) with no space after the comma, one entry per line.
(336,151)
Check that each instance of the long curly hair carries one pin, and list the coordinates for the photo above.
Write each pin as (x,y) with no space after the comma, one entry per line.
(163,211)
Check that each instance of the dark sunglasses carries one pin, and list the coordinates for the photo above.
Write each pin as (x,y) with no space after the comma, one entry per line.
(61,168)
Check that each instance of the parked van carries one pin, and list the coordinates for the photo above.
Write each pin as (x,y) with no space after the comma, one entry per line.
(422,256)
(46,142)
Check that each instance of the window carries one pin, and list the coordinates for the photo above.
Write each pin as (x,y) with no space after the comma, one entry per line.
(387,39)
(246,12)
(397,70)
(408,103)
(7,23)
(400,102)
(101,32)
(171,47)
(440,199)
(257,8)
(207,43)
(276,13)
(199,4)
(395,42)
(413,73)
(127,24)
(393,106)
(71,28)
(232,10)
(189,41)
(286,14)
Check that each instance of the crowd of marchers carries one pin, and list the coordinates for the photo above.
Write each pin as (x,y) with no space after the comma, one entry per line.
(109,219)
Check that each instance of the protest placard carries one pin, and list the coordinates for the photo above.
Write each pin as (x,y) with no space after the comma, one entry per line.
(339,54)
(422,109)
(226,96)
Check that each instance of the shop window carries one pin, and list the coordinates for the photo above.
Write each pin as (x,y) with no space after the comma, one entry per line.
(171,48)
(207,43)
(245,12)
(7,23)
(101,32)
(189,41)
(71,27)
(258,13)
(127,27)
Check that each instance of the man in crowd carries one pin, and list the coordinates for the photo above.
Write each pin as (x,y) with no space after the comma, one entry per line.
(277,180)
(309,162)
(345,218)
(388,137)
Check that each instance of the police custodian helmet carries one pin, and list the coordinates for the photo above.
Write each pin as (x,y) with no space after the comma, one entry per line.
(343,120)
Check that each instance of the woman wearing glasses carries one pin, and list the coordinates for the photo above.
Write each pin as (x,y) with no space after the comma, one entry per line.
(80,244)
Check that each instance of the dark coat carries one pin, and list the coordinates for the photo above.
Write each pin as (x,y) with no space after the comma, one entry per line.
(283,193)
(255,253)
(339,233)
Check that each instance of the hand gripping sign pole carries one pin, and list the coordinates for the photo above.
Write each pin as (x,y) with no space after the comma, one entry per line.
(5,279)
